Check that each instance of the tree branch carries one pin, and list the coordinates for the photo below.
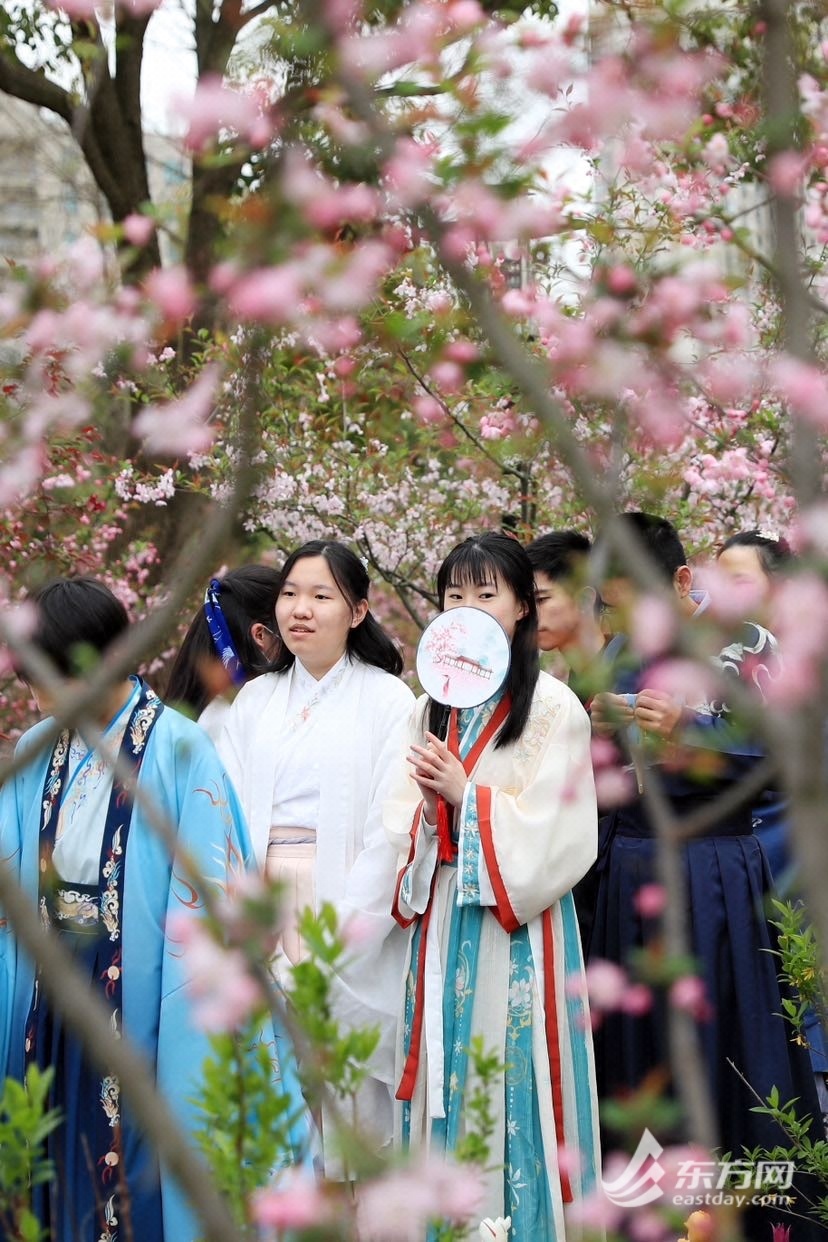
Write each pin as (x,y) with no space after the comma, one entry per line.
(32,86)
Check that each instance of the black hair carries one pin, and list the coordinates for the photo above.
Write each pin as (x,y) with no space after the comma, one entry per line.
(563,556)
(73,613)
(656,534)
(247,596)
(775,555)
(479,559)
(368,641)
(560,554)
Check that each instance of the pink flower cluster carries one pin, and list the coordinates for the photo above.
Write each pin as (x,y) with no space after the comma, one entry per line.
(224,993)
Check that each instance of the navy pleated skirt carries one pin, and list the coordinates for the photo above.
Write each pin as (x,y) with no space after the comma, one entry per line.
(727,880)
(106,1183)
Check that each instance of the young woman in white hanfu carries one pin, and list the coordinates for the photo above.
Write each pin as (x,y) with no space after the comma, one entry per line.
(309,748)
(495,949)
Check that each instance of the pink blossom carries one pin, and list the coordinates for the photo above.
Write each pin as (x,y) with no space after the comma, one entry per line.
(653,626)
(360,932)
(786,170)
(267,295)
(650,900)
(408,174)
(570,1161)
(594,1213)
(621,280)
(170,290)
(85,263)
(637,1000)
(216,108)
(181,426)
(297,1201)
(464,15)
(428,409)
(138,229)
(20,620)
(331,205)
(689,993)
(606,984)
(604,752)
(398,1206)
(340,14)
(729,599)
(78,10)
(138,8)
(448,376)
(224,994)
(647,1225)
(803,386)
(614,787)
(461,351)
(716,153)
(687,681)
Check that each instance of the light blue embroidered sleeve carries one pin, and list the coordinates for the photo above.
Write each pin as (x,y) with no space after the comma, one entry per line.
(474,887)
(415,886)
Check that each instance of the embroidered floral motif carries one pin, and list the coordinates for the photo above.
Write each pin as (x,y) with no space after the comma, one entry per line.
(76,907)
(142,722)
(111,1099)
(111,906)
(305,713)
(54,781)
(541,716)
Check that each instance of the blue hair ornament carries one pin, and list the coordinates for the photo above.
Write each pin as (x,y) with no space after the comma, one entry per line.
(220,634)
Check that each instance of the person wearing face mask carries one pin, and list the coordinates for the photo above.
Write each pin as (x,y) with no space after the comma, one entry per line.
(494,817)
(231,639)
(694,754)
(309,747)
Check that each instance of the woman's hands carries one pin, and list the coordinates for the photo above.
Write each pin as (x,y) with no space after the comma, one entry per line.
(437,772)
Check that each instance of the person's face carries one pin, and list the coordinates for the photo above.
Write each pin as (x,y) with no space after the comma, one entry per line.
(559,617)
(620,595)
(742,565)
(493,596)
(314,617)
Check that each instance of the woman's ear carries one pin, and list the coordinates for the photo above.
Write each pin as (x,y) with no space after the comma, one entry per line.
(261,635)
(359,613)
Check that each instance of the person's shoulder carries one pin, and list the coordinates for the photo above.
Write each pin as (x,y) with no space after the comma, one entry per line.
(37,739)
(551,690)
(254,696)
(392,688)
(176,724)
(390,681)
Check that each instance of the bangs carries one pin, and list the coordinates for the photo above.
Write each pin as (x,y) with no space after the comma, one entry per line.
(467,563)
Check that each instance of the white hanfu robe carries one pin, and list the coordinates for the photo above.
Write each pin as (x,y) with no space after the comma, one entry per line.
(495,952)
(318,755)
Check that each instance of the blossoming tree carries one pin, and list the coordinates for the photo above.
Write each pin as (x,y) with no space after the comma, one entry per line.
(459,268)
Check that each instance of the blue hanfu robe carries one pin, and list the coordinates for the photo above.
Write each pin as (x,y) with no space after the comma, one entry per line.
(183,776)
(496,954)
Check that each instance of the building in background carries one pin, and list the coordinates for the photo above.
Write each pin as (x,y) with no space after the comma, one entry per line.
(48,199)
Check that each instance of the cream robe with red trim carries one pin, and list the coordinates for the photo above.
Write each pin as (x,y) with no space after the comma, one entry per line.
(539,839)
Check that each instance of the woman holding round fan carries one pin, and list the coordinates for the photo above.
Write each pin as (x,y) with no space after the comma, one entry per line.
(494,813)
